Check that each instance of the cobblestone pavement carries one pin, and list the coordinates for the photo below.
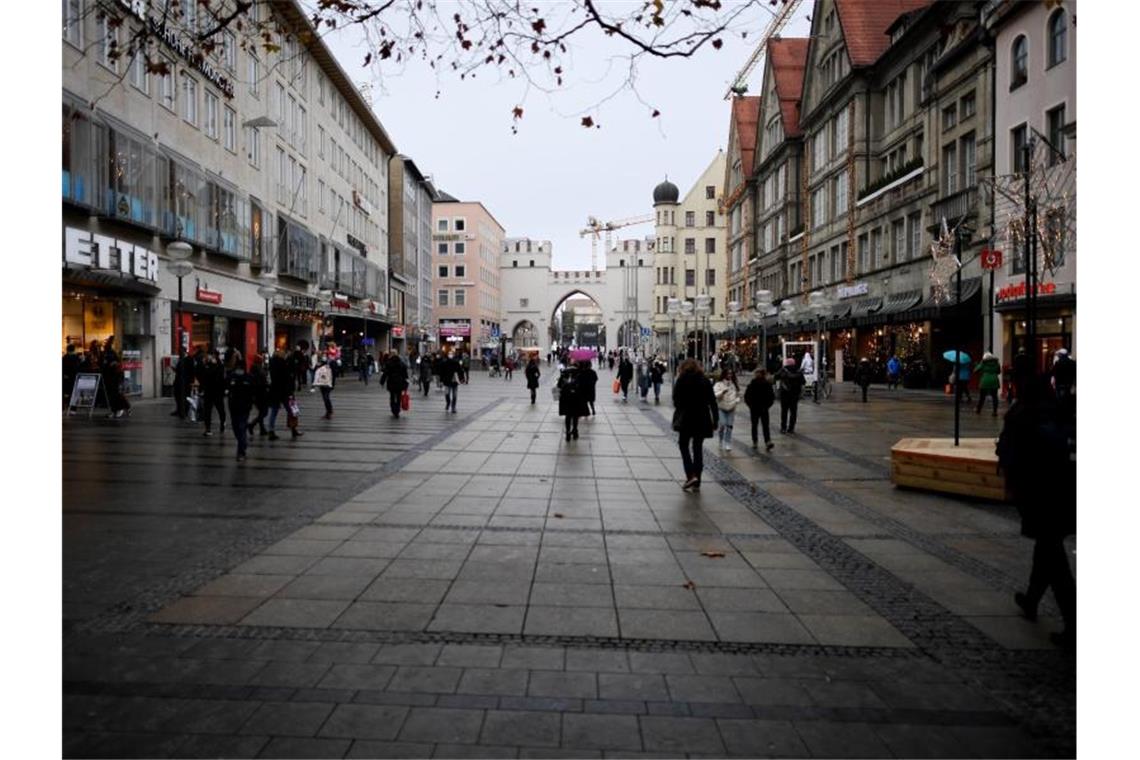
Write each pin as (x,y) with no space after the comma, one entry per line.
(472,585)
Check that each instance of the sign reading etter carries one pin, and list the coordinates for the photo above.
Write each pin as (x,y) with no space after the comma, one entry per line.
(94,251)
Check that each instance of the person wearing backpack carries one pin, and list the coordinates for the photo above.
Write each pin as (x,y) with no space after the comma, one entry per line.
(656,377)
(791,384)
(571,404)
(727,394)
(990,369)
(240,390)
(759,397)
(588,382)
(323,380)
(1037,454)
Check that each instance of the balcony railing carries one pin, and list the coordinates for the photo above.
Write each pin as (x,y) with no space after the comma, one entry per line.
(954,207)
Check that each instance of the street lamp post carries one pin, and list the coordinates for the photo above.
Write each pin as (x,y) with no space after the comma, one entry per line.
(267,290)
(702,307)
(787,311)
(179,252)
(818,304)
(734,308)
(673,308)
(686,312)
(761,306)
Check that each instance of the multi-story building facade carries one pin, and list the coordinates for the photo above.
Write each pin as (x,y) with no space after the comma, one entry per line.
(690,235)
(468,242)
(894,113)
(739,195)
(262,162)
(410,198)
(1035,83)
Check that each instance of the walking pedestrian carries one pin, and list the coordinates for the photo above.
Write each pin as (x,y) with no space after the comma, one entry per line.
(425,373)
(532,374)
(863,376)
(112,371)
(363,366)
(212,390)
(240,389)
(625,375)
(260,394)
(464,367)
(990,369)
(183,383)
(323,381)
(395,379)
(1064,374)
(1037,453)
(791,385)
(656,376)
(961,375)
(588,383)
(449,371)
(695,417)
(894,371)
(509,366)
(282,377)
(727,393)
(807,367)
(759,397)
(611,361)
(72,363)
(571,404)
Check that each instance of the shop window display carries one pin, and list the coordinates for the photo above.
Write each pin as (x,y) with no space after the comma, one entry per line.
(130,191)
(184,202)
(83,140)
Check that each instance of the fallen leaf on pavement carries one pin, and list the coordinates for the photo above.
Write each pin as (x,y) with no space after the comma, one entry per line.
(689,585)
(559,515)
(712,555)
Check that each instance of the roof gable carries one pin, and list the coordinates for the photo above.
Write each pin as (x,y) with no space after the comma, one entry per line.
(742,130)
(865,24)
(788,61)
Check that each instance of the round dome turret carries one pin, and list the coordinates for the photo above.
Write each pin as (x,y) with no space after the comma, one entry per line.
(666,192)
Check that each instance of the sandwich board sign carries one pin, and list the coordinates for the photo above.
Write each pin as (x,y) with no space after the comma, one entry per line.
(85,391)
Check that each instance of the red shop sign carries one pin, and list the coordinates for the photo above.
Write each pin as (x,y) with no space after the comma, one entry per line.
(1017,290)
(340,301)
(208,296)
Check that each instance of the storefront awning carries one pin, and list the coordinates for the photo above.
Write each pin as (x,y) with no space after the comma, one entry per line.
(866,306)
(931,307)
(897,302)
(108,279)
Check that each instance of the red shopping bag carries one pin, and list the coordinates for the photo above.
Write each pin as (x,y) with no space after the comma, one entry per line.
(405,401)
(617,386)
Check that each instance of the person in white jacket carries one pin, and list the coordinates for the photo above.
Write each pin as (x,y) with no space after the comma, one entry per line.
(323,379)
(727,393)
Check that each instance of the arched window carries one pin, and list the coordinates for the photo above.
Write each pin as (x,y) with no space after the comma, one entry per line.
(1019,73)
(1058,37)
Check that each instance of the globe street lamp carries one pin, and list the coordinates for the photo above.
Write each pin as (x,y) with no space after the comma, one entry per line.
(787,312)
(179,252)
(267,290)
(761,305)
(703,307)
(818,305)
(673,308)
(686,312)
(734,308)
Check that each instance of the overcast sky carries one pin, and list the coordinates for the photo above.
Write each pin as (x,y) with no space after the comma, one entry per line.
(546,180)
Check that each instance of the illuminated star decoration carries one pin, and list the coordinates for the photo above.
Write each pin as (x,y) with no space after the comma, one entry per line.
(945,264)
(1053,186)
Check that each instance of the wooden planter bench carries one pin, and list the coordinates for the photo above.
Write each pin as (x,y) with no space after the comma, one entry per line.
(936,464)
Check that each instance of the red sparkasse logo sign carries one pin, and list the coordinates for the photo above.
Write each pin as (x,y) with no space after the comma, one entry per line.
(991,259)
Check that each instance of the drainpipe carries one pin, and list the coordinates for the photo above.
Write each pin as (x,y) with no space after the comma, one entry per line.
(866,134)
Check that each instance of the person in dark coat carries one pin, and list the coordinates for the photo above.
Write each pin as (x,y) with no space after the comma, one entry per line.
(759,395)
(695,418)
(572,403)
(112,371)
(395,378)
(1064,374)
(791,383)
(183,379)
(425,373)
(260,394)
(532,374)
(72,363)
(212,382)
(863,376)
(281,388)
(449,371)
(588,382)
(240,389)
(656,377)
(625,375)
(1037,453)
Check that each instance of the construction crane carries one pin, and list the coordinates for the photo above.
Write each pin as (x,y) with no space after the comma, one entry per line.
(782,17)
(594,228)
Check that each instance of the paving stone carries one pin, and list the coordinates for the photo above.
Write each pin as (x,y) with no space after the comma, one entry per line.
(407,654)
(268,564)
(209,716)
(571,595)
(684,688)
(389,750)
(415,679)
(552,704)
(287,719)
(740,600)
(844,694)
(357,676)
(296,613)
(284,650)
(547,572)
(206,746)
(364,722)
(520,728)
(534,658)
(285,747)
(719,664)
(411,590)
(597,660)
(544,683)
(680,734)
(442,725)
(493,681)
(765,738)
(682,625)
(426,550)
(473,618)
(470,656)
(260,586)
(293,674)
(482,592)
(655,598)
(854,630)
(571,621)
(590,731)
(373,549)
(302,547)
(468,701)
(325,587)
(398,698)
(322,695)
(614,706)
(773,691)
(369,567)
(344,651)
(905,740)
(473,750)
(659,662)
(638,686)
(766,627)
(385,616)
(207,610)
(826,739)
(558,754)
(720,710)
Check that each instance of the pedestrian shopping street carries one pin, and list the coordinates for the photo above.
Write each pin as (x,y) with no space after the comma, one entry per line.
(471,584)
